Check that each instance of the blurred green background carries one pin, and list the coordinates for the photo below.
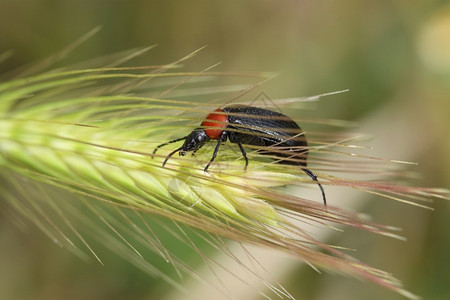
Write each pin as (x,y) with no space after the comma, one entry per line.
(389,53)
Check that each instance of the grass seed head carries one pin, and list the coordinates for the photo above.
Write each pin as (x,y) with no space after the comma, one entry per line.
(89,132)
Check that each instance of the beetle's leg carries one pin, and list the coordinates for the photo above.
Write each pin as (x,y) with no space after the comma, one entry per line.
(314,177)
(221,138)
(164,144)
(244,154)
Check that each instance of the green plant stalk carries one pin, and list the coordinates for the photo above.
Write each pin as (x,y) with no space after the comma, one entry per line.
(99,146)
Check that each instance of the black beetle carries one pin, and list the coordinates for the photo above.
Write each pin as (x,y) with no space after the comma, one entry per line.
(278,134)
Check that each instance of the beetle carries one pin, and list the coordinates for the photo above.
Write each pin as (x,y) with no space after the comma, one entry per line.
(276,134)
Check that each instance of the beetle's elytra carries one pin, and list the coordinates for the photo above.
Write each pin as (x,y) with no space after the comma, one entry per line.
(278,134)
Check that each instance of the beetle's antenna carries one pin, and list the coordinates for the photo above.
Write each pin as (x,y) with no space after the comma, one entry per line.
(164,144)
(314,177)
(170,154)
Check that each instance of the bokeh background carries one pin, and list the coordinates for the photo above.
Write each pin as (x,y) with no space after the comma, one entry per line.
(393,55)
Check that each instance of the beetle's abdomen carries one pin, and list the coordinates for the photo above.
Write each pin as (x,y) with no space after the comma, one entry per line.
(217,123)
(278,134)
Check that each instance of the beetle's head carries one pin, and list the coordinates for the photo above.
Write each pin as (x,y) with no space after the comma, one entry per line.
(194,141)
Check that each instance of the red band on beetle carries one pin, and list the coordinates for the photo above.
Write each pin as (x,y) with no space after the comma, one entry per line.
(219,121)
